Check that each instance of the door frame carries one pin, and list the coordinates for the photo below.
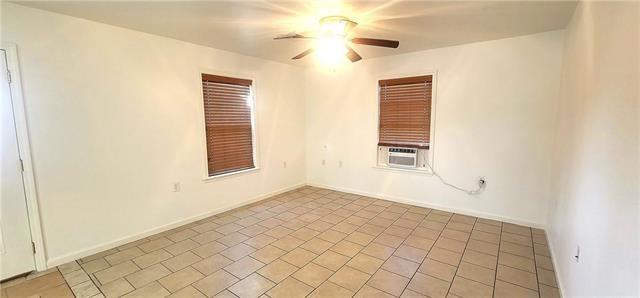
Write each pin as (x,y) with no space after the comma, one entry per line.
(24,148)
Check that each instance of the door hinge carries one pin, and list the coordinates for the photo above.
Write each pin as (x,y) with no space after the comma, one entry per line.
(33,247)
(21,165)
(9,76)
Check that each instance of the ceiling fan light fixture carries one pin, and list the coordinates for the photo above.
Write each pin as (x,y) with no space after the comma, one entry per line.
(331,51)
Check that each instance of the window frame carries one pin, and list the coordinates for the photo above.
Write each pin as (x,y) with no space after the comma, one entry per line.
(432,127)
(254,124)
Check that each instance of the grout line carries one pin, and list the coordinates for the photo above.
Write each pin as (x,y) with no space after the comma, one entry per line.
(461,255)
(495,278)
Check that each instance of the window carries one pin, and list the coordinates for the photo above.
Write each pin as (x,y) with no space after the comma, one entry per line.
(228,116)
(405,112)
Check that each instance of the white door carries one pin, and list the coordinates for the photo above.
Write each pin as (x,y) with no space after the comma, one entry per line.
(16,252)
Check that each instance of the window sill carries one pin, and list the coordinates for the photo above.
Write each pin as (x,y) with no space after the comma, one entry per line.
(420,171)
(227,175)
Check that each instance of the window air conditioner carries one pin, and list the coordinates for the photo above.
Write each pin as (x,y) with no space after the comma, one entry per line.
(402,157)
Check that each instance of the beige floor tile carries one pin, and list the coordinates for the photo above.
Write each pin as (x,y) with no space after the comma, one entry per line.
(370,229)
(244,267)
(378,251)
(143,277)
(178,280)
(463,287)
(312,274)
(205,227)
(517,239)
(549,292)
(305,234)
(541,249)
(516,229)
(544,262)
(518,262)
(389,240)
(345,227)
(388,282)
(209,249)
(330,290)
(154,244)
(182,235)
(507,290)
(115,272)
(426,233)
(178,262)
(400,266)
(365,263)
(398,231)
(277,271)
(317,245)
(238,251)
(253,230)
(428,285)
(413,294)
(371,292)
(445,256)
(207,237)
(486,237)
(68,267)
(278,232)
(215,283)
(85,290)
(450,244)
(319,226)
(438,269)
(359,238)
(516,249)
(347,248)
(483,247)
(331,260)
(349,278)
(290,288)
(116,288)
(488,228)
(153,289)
(229,228)
(268,254)
(299,257)
(259,241)
(517,277)
(212,264)
(477,273)
(419,242)
(287,243)
(332,236)
(478,258)
(411,253)
(188,292)
(232,239)
(76,277)
(252,286)
(142,261)
(547,277)
(123,256)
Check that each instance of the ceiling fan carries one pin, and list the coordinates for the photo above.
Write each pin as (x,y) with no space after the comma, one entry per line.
(333,39)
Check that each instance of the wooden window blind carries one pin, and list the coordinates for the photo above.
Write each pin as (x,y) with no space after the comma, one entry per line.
(405,112)
(228,124)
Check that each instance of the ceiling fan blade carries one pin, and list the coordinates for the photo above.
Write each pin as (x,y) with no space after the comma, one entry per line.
(376,42)
(352,55)
(307,52)
(291,35)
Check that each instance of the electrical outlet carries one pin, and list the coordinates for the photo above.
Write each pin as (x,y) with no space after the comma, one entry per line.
(176,187)
(577,255)
(482,182)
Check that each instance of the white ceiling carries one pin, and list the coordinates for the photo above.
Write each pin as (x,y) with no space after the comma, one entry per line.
(248,27)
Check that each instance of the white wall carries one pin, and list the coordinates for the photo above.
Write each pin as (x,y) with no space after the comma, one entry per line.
(595,181)
(114,118)
(495,115)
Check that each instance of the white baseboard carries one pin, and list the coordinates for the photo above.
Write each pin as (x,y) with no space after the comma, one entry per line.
(554,260)
(433,206)
(112,244)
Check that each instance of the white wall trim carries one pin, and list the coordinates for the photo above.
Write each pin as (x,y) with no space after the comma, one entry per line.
(24,147)
(433,206)
(554,260)
(112,244)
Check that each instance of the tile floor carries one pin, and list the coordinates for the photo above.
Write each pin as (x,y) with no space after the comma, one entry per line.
(314,242)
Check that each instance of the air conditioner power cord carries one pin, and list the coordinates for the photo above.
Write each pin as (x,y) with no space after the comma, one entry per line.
(482,183)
